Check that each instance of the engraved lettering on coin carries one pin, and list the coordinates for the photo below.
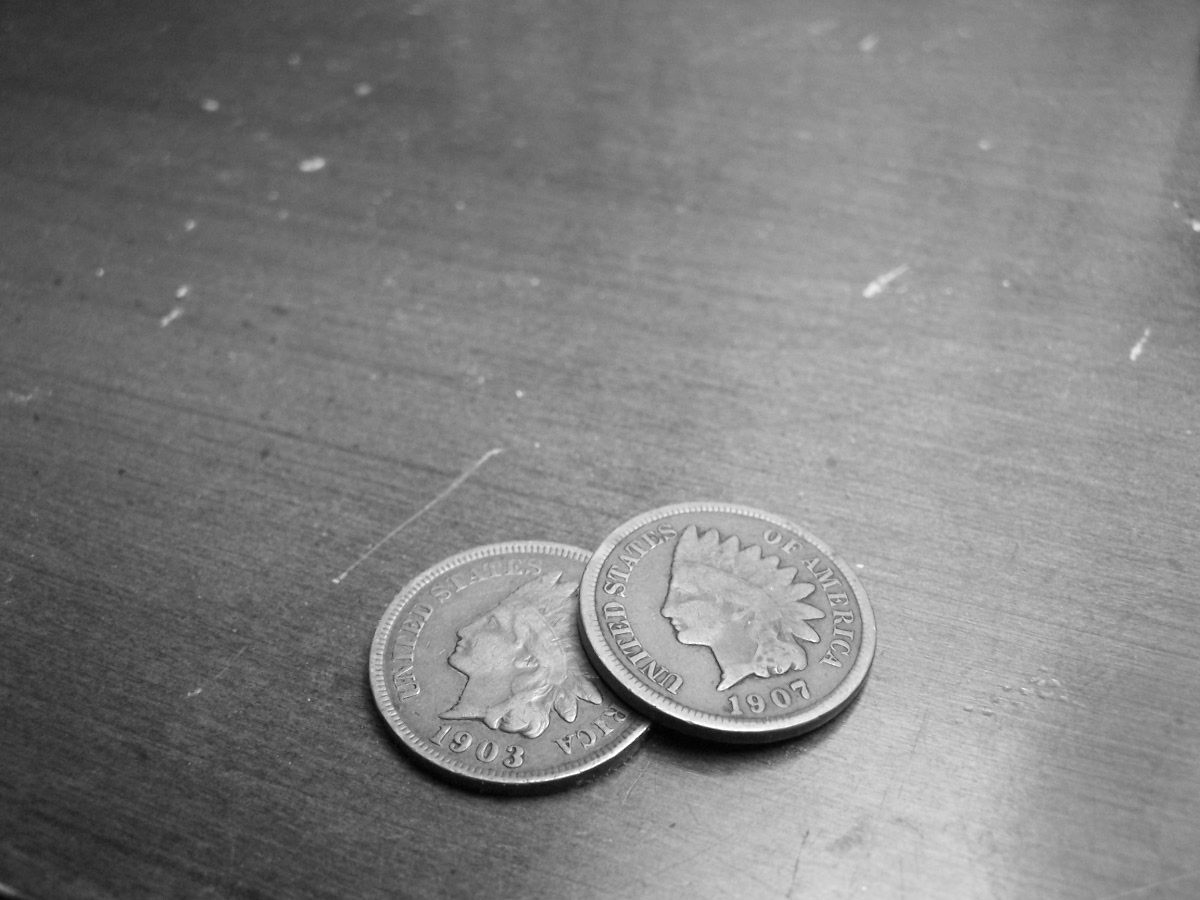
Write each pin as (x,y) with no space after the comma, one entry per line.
(726,622)
(523,659)
(477,667)
(743,606)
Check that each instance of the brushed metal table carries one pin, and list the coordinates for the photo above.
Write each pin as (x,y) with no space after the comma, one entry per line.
(297,299)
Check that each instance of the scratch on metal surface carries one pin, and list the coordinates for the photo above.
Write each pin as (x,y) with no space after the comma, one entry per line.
(1134,892)
(1136,350)
(877,287)
(912,752)
(722,842)
(795,875)
(451,488)
(902,776)
(224,669)
(636,782)
(11,893)
(691,857)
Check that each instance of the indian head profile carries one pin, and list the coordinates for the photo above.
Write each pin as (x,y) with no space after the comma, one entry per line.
(523,659)
(743,606)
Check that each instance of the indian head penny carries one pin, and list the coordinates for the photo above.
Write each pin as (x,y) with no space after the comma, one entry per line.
(477,667)
(726,622)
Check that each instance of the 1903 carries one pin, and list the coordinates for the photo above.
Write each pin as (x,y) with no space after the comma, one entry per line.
(485,751)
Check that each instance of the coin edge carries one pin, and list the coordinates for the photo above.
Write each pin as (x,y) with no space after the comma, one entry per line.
(698,722)
(463,774)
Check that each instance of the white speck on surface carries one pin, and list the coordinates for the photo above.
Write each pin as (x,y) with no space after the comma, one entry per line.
(520,395)
(1195,223)
(858,565)
(986,145)
(535,281)
(1136,350)
(294,60)
(189,225)
(100,272)
(14,397)
(208,104)
(170,317)
(312,164)
(182,291)
(1006,283)
(869,43)
(877,287)
(362,89)
(1047,689)
(460,205)
(224,669)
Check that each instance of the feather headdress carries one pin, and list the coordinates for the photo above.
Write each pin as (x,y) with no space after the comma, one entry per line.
(545,606)
(772,592)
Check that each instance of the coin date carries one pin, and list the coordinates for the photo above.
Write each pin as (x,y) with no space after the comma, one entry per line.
(779,700)
(485,751)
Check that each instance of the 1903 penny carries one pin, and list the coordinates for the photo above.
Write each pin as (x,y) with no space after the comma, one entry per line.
(477,667)
(726,622)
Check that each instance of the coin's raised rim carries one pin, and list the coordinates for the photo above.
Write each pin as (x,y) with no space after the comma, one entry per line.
(465,774)
(682,718)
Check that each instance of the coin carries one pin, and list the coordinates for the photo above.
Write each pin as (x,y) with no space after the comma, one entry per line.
(726,622)
(477,667)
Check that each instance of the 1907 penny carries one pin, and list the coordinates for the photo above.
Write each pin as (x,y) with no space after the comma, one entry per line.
(726,622)
(477,667)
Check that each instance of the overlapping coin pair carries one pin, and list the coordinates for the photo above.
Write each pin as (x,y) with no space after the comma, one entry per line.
(526,666)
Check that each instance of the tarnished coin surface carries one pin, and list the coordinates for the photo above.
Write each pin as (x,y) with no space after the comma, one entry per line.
(726,622)
(478,668)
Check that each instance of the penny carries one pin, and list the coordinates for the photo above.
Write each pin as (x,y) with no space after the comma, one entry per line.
(726,622)
(478,668)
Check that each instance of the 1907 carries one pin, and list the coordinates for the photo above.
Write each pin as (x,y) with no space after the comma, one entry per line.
(780,699)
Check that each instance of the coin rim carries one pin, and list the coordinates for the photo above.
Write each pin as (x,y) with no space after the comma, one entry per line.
(683,718)
(471,775)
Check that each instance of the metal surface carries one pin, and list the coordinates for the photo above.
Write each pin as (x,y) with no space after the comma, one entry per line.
(477,668)
(923,276)
(726,622)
